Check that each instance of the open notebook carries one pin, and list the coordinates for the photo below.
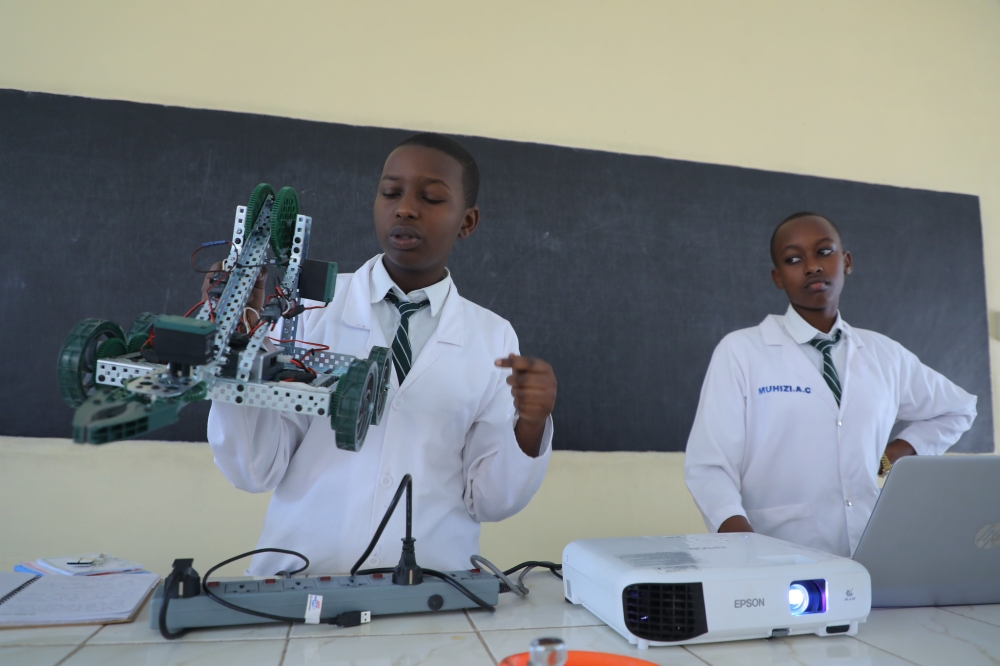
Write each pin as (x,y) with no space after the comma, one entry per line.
(29,600)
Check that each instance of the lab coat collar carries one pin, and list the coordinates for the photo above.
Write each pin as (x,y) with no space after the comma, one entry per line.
(802,331)
(382,283)
(358,312)
(358,307)
(774,331)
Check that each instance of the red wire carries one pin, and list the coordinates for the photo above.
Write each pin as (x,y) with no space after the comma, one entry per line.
(194,308)
(319,346)
(199,249)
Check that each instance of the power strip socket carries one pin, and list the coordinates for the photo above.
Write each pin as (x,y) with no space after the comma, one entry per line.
(288,597)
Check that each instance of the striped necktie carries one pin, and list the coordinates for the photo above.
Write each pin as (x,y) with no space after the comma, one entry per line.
(402,354)
(829,371)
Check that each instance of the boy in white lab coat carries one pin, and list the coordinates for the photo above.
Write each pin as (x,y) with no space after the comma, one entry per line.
(477,449)
(793,423)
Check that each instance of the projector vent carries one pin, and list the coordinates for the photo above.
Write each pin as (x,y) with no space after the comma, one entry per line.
(665,612)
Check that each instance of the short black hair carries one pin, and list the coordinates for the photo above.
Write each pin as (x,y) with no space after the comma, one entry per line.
(795,216)
(453,149)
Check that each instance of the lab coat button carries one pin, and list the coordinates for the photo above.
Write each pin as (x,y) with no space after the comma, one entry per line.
(386,481)
(840,423)
(848,502)
(373,561)
(398,403)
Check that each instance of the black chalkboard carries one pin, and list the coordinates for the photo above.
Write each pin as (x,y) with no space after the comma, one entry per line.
(622,271)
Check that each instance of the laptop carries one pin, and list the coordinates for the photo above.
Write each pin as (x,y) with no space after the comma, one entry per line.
(934,536)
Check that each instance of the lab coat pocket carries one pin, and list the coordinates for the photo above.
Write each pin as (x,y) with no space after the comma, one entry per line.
(789,522)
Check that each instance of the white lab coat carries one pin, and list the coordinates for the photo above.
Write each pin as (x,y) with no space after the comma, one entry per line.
(770,443)
(451,426)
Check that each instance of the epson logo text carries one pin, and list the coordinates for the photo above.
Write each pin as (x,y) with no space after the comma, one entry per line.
(748,603)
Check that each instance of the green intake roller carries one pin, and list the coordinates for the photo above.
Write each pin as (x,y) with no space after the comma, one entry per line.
(382,358)
(78,358)
(283,214)
(353,404)
(257,201)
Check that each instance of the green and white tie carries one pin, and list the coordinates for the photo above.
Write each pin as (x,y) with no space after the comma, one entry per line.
(402,353)
(829,371)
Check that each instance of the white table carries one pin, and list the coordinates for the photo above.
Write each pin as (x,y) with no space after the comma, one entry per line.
(965,635)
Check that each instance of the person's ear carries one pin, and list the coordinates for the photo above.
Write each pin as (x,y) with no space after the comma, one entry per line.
(776,276)
(469,222)
(848,263)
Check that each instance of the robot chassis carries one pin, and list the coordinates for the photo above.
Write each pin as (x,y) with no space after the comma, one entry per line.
(124,385)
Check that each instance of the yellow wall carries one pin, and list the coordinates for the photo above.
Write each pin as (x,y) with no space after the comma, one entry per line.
(900,92)
(156,501)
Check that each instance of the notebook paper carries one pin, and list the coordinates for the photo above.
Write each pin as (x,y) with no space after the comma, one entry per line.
(27,600)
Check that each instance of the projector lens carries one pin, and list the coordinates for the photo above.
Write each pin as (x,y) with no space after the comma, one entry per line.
(806,597)
(798,599)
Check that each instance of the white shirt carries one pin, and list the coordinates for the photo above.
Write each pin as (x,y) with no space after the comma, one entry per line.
(422,322)
(770,443)
(802,332)
(450,425)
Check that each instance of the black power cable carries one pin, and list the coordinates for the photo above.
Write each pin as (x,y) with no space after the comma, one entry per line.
(407,562)
(531,564)
(407,485)
(269,616)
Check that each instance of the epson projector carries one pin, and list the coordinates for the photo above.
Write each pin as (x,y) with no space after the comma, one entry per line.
(701,588)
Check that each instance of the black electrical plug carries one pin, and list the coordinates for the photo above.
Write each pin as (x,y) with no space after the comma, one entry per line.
(183,582)
(408,572)
(186,578)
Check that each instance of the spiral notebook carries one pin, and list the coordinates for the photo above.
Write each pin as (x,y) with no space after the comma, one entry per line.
(27,600)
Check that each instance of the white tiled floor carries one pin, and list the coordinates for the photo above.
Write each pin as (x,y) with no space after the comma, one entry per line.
(931,636)
(223,653)
(988,614)
(796,650)
(543,607)
(424,649)
(587,639)
(965,635)
(47,636)
(34,656)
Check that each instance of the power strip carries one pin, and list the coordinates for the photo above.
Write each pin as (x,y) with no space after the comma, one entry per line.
(374,594)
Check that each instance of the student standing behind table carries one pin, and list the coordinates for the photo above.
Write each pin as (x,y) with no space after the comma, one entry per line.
(793,423)
(477,449)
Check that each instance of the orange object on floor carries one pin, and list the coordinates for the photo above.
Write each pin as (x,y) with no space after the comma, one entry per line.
(578,658)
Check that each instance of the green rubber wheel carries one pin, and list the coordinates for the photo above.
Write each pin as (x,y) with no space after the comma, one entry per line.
(111,347)
(355,402)
(283,214)
(141,325)
(135,343)
(257,201)
(196,393)
(78,358)
(382,358)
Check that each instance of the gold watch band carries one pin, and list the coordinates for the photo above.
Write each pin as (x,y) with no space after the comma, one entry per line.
(884,465)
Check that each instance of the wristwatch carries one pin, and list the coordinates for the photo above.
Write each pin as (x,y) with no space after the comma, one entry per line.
(884,465)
